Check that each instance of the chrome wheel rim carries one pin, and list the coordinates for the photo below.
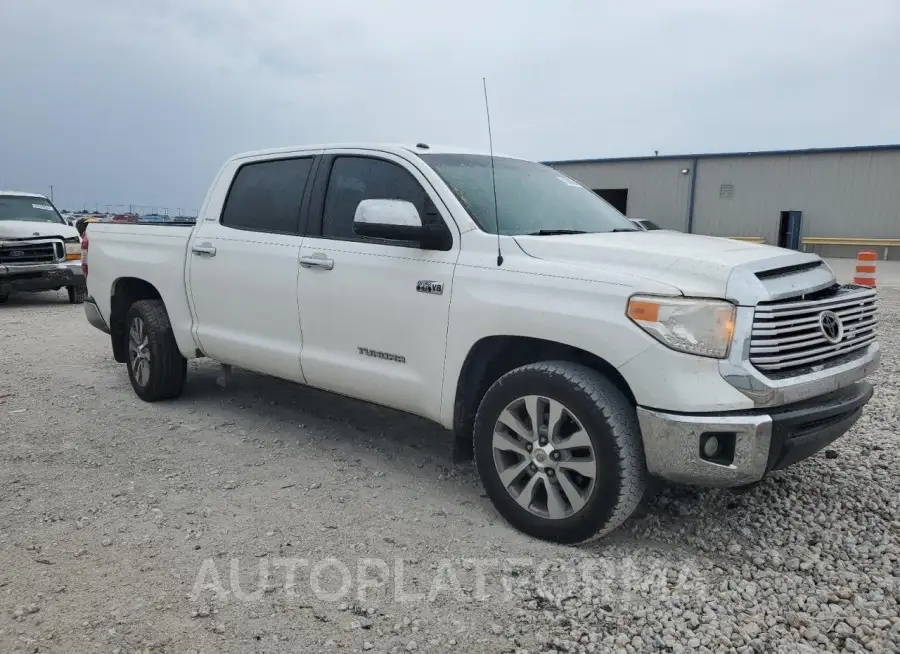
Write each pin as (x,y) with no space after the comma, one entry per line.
(139,352)
(544,457)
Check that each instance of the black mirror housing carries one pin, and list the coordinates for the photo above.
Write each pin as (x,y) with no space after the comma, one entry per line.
(428,237)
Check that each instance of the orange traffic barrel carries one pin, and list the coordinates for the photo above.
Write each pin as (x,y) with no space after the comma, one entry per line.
(865,268)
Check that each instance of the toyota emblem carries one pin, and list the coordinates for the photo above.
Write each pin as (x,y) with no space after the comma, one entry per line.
(832,327)
(17,253)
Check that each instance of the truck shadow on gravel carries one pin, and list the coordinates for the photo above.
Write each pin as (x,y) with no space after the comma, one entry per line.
(418,448)
(343,418)
(36,299)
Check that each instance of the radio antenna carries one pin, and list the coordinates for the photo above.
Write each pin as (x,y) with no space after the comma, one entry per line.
(487,110)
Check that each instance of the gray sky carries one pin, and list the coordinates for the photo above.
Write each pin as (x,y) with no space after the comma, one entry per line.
(140,101)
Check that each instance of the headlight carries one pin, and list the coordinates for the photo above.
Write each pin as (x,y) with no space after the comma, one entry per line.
(73,250)
(701,327)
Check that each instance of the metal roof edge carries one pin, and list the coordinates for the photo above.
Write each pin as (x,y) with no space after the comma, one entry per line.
(722,155)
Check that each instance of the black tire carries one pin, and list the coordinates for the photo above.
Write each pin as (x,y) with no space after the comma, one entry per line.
(4,297)
(76,294)
(167,368)
(611,423)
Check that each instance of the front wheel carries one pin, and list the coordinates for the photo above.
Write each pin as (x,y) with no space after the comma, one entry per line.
(76,294)
(4,297)
(155,365)
(558,449)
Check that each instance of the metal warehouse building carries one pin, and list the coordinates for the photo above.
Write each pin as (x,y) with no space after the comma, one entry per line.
(831,200)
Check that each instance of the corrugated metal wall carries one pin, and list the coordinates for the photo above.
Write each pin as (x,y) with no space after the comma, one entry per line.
(848,194)
(656,189)
(841,194)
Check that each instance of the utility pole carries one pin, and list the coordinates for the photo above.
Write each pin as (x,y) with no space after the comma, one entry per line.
(51,193)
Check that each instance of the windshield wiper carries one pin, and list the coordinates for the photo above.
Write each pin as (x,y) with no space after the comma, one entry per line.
(556,232)
(619,229)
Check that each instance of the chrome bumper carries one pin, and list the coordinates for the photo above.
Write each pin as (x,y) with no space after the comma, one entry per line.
(40,276)
(672,447)
(762,441)
(24,269)
(75,268)
(93,315)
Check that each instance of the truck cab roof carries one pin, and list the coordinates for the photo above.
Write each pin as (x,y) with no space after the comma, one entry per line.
(22,194)
(392,148)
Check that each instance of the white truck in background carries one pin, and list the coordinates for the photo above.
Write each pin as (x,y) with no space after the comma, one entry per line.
(39,250)
(578,356)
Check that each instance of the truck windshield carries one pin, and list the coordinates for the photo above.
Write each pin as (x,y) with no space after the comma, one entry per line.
(31,209)
(531,198)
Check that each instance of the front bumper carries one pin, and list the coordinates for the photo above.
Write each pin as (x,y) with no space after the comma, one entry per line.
(757,441)
(40,277)
(75,268)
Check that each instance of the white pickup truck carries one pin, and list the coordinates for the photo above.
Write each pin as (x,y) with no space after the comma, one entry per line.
(39,250)
(578,356)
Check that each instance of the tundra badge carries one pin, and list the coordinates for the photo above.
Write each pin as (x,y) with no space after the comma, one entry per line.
(387,356)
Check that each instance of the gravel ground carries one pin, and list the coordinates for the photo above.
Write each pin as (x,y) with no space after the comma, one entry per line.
(132,527)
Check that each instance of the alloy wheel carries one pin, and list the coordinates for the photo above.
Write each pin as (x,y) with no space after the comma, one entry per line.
(139,352)
(544,457)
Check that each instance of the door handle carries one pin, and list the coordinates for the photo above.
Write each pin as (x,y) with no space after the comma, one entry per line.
(317,260)
(205,248)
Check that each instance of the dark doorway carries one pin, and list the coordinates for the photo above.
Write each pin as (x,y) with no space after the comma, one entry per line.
(789,224)
(617,197)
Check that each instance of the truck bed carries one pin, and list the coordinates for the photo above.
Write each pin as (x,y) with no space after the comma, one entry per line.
(155,253)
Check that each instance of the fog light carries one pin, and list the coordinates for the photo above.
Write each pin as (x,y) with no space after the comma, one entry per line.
(711,447)
(718,447)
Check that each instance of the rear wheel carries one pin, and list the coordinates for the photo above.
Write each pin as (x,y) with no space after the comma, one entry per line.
(155,365)
(558,449)
(76,294)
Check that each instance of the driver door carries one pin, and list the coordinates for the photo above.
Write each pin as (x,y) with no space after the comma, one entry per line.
(374,313)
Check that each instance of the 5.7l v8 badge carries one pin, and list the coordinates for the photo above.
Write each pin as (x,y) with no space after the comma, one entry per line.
(427,286)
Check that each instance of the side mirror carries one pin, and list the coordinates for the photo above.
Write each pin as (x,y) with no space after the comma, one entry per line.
(398,220)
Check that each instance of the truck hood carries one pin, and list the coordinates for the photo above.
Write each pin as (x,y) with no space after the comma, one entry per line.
(696,265)
(19,229)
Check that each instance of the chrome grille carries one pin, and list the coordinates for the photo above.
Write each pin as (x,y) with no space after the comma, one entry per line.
(788,335)
(26,252)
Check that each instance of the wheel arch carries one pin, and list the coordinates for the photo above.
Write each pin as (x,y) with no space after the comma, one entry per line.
(492,357)
(126,291)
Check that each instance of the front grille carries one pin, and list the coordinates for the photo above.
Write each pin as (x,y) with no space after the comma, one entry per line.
(31,252)
(789,338)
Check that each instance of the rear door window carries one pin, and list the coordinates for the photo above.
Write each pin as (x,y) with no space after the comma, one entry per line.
(266,195)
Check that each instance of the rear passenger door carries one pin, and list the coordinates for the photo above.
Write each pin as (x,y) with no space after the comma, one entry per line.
(243,269)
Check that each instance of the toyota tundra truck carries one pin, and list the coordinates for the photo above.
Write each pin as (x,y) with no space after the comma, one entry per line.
(579,358)
(39,250)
